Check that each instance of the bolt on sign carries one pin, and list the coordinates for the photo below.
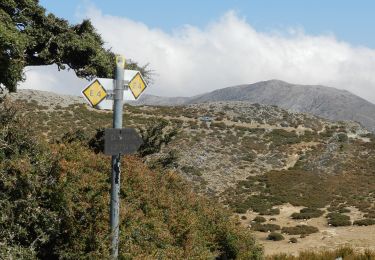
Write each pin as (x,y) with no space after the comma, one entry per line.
(94,93)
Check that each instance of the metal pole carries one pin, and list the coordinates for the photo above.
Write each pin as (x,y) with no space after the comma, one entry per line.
(115,177)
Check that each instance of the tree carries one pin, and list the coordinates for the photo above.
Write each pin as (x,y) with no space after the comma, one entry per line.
(155,136)
(30,37)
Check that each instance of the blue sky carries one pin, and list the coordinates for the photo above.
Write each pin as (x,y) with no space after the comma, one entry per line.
(349,20)
(199,46)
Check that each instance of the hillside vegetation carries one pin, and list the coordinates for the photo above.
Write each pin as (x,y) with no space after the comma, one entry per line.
(254,159)
(249,156)
(54,203)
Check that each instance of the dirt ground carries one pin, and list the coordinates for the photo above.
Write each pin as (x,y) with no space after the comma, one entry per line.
(328,237)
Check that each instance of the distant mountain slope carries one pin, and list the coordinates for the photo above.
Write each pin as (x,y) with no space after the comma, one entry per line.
(322,101)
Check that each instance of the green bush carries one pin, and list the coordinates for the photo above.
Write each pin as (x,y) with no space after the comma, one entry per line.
(307,213)
(259,219)
(274,236)
(281,137)
(270,212)
(336,219)
(369,215)
(343,210)
(265,227)
(299,230)
(364,222)
(156,134)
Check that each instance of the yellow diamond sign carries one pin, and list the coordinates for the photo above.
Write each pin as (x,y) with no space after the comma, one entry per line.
(95,93)
(137,85)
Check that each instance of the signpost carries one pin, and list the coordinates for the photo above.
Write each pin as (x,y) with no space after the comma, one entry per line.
(117,140)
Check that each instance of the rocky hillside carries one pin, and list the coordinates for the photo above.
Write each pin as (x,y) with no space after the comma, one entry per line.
(322,101)
(255,159)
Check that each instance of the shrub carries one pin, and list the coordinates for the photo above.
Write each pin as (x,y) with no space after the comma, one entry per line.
(274,236)
(299,230)
(157,134)
(293,240)
(364,222)
(270,212)
(265,227)
(96,143)
(336,219)
(259,219)
(307,213)
(370,215)
(344,210)
(344,253)
(281,137)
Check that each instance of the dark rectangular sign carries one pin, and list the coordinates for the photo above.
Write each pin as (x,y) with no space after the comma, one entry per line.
(121,141)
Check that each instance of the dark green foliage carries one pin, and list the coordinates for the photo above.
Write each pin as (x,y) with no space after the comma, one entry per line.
(260,204)
(342,137)
(259,219)
(274,236)
(281,137)
(155,136)
(364,222)
(336,219)
(307,213)
(265,227)
(30,37)
(75,136)
(299,230)
(96,143)
(28,179)
(168,160)
(343,210)
(370,215)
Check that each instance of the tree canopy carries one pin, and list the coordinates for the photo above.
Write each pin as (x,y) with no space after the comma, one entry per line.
(31,37)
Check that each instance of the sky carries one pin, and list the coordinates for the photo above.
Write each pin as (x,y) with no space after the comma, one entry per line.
(198,46)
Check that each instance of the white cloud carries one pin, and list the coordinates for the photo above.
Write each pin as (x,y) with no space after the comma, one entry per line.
(230,51)
(48,78)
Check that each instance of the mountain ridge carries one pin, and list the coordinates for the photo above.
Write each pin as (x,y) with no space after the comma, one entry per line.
(327,102)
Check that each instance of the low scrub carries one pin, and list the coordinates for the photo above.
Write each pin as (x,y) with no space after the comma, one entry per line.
(265,227)
(307,213)
(343,253)
(259,219)
(364,222)
(274,236)
(370,215)
(336,219)
(270,212)
(299,230)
